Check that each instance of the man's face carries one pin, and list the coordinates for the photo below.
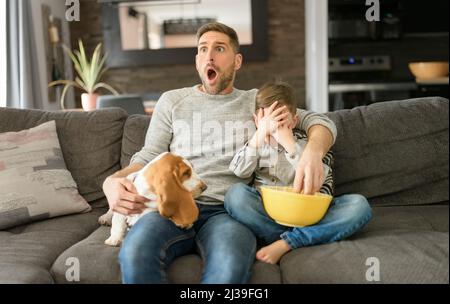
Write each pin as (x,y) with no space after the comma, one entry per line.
(217,63)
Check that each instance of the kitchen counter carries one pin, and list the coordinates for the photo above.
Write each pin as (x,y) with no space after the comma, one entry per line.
(372,86)
(433,81)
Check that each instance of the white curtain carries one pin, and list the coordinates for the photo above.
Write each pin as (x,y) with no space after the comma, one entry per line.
(22,89)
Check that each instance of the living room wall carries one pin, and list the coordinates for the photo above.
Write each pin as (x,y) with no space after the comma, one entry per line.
(58,9)
(286,54)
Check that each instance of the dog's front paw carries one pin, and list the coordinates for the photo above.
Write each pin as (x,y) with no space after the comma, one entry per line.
(113,242)
(105,219)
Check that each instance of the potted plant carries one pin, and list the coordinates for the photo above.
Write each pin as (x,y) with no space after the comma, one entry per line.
(89,75)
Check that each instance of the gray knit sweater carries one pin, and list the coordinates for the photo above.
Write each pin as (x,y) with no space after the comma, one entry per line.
(208,130)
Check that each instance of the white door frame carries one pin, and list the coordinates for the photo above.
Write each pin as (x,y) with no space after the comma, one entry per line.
(316,55)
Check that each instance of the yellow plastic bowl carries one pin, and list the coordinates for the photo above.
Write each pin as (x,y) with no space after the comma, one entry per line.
(292,209)
(429,70)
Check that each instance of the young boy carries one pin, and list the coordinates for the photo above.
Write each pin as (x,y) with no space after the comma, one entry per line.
(272,155)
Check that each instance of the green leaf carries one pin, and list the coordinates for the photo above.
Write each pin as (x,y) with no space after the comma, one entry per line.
(89,73)
(94,65)
(63,95)
(82,85)
(105,86)
(66,82)
(64,91)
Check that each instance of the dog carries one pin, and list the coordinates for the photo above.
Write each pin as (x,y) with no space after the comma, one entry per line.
(171,184)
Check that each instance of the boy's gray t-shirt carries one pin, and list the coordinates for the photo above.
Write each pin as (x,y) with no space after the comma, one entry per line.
(208,130)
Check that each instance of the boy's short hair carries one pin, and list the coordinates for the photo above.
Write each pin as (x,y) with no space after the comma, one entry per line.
(221,28)
(276,91)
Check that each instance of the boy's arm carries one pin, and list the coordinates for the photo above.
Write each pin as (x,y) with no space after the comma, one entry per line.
(245,161)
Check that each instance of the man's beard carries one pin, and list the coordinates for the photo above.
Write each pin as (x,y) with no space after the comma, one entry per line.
(224,81)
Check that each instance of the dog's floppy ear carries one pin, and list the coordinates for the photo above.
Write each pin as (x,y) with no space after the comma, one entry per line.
(184,172)
(150,175)
(175,202)
(187,211)
(165,207)
(165,179)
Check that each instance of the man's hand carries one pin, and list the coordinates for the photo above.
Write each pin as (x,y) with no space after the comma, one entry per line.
(122,196)
(309,175)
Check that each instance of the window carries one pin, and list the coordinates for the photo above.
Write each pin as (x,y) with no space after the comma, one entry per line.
(2,53)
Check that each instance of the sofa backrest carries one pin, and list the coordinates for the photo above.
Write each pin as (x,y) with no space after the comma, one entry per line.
(394,153)
(133,136)
(90,141)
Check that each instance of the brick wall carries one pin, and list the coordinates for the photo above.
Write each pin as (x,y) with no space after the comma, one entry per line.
(286,54)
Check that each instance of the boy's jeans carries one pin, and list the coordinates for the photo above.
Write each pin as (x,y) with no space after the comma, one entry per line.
(346,215)
(227,247)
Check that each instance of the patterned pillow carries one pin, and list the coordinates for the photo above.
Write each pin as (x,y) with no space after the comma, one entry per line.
(34,181)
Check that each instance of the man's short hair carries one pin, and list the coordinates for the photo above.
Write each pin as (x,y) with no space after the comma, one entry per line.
(221,28)
(276,91)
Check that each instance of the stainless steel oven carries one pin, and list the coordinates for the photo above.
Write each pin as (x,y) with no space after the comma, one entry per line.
(350,95)
(362,80)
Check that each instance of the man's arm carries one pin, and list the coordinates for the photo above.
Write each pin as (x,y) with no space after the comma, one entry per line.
(128,170)
(322,133)
(159,133)
(320,139)
(120,192)
(308,119)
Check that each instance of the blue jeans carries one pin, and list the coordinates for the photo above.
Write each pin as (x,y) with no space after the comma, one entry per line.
(346,215)
(226,246)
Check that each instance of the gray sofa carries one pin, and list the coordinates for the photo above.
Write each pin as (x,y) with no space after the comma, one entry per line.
(395,153)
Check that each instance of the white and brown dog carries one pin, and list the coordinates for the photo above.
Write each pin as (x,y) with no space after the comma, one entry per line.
(171,185)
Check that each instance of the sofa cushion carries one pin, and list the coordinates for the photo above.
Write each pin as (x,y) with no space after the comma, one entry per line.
(90,141)
(410,242)
(27,252)
(395,153)
(403,256)
(133,136)
(34,181)
(428,218)
(99,264)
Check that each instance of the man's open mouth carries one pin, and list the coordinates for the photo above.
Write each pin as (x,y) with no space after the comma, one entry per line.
(211,73)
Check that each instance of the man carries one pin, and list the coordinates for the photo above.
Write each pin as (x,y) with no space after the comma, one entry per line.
(203,124)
